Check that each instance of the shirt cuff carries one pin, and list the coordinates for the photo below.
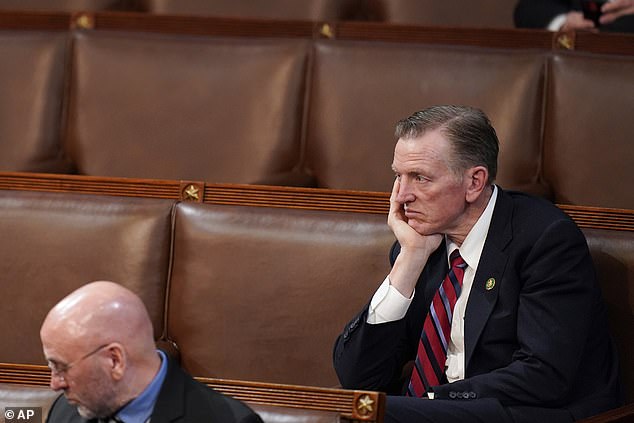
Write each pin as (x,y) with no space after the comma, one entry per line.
(387,304)
(557,22)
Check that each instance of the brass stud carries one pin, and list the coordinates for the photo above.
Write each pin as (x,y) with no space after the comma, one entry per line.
(84,21)
(565,41)
(365,405)
(191,192)
(326,31)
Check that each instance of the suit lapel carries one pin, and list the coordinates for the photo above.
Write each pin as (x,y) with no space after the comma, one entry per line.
(492,265)
(170,404)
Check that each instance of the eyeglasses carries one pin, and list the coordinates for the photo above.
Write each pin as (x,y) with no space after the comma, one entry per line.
(60,370)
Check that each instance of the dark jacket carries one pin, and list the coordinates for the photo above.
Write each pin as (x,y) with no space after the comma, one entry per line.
(181,399)
(537,338)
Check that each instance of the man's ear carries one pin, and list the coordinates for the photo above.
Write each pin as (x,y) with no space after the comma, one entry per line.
(477,181)
(118,360)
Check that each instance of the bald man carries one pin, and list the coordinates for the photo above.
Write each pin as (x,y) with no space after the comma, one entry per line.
(99,344)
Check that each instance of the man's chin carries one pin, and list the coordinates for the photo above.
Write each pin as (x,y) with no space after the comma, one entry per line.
(422,228)
(71,401)
(84,412)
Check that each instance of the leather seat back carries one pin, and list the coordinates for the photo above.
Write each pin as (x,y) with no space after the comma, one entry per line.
(32,79)
(178,107)
(52,243)
(588,130)
(360,90)
(261,293)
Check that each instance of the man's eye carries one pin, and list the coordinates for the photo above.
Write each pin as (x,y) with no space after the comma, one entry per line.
(421,178)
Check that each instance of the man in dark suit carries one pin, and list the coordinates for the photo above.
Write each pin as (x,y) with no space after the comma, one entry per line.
(99,344)
(527,339)
(556,15)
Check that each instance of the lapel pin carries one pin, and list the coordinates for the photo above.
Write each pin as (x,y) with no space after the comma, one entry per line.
(490,283)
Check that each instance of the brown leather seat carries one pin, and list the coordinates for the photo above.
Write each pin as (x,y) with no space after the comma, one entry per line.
(32,77)
(315,10)
(273,414)
(261,293)
(588,147)
(255,292)
(361,89)
(458,13)
(53,243)
(28,397)
(69,5)
(178,107)
(613,256)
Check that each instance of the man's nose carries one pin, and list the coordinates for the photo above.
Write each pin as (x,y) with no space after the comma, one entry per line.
(404,194)
(57,382)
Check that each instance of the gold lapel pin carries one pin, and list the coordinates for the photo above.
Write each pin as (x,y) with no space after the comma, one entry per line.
(490,283)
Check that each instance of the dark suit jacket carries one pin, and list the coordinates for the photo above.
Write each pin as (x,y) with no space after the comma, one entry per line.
(538,338)
(539,13)
(181,399)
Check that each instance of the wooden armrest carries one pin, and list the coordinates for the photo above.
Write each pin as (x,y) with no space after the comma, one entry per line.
(352,405)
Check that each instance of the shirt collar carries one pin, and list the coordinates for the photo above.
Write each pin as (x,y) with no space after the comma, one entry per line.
(473,244)
(140,409)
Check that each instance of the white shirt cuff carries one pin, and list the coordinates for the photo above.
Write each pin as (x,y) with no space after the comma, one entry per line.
(557,22)
(387,304)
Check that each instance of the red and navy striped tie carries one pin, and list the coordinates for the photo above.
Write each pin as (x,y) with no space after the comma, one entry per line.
(430,361)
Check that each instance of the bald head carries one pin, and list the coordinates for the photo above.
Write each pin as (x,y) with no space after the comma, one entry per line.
(99,313)
(99,343)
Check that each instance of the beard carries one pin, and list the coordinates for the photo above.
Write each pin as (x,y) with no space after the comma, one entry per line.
(100,399)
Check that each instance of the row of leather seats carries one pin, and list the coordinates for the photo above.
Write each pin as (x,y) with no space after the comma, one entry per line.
(482,13)
(232,287)
(306,112)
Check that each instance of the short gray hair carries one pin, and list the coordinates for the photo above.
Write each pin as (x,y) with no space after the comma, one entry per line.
(468,129)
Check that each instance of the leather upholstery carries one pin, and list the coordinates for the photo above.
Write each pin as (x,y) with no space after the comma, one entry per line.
(255,293)
(32,76)
(261,294)
(68,5)
(315,10)
(455,13)
(26,396)
(210,109)
(271,414)
(54,243)
(613,256)
(351,120)
(588,130)
(291,111)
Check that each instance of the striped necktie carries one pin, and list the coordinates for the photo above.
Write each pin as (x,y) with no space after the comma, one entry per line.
(429,367)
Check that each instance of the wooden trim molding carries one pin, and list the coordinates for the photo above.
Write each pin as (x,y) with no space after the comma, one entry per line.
(355,405)
(263,196)
(512,38)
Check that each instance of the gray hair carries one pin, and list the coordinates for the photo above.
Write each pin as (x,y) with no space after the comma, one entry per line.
(468,129)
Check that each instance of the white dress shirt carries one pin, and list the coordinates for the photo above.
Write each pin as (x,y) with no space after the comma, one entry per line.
(388,304)
(557,23)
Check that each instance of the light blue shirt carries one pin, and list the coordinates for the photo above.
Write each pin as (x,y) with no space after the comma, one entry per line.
(140,409)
